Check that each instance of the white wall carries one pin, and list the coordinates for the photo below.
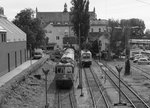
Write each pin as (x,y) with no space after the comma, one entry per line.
(96,28)
(61,31)
(104,42)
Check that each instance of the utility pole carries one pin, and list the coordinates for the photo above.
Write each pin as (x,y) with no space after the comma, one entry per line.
(99,49)
(127,48)
(80,70)
(30,54)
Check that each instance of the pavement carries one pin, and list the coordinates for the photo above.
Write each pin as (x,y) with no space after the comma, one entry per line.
(8,76)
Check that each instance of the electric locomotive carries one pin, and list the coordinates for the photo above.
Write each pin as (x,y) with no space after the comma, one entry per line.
(86,58)
(64,70)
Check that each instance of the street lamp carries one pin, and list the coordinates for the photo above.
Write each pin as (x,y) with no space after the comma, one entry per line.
(119,68)
(46,73)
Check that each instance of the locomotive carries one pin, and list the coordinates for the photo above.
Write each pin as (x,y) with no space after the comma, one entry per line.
(86,58)
(64,70)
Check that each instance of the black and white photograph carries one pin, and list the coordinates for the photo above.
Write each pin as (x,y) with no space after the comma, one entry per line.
(74,54)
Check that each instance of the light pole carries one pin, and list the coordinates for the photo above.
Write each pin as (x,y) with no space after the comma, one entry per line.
(46,73)
(127,48)
(119,68)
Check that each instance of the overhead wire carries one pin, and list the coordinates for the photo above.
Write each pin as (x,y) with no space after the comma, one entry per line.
(143,2)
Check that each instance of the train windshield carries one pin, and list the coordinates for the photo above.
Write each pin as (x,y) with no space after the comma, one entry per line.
(60,69)
(68,69)
(86,56)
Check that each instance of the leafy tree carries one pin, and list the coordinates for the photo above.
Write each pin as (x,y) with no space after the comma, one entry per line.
(86,45)
(147,31)
(31,26)
(80,18)
(116,36)
(119,34)
(127,67)
(94,48)
(137,27)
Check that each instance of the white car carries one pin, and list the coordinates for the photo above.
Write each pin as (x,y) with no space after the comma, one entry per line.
(143,61)
(135,60)
(137,57)
(37,55)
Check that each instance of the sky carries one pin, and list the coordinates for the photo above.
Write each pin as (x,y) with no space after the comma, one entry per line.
(105,9)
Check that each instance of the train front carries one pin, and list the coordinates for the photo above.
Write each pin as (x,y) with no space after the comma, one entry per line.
(65,70)
(86,58)
(64,76)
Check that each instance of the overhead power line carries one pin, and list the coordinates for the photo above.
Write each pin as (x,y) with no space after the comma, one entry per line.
(143,2)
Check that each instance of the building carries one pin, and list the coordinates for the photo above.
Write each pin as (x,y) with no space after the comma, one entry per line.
(12,45)
(140,43)
(58,27)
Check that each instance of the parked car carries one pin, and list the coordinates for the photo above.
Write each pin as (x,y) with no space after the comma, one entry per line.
(137,57)
(143,61)
(135,60)
(37,55)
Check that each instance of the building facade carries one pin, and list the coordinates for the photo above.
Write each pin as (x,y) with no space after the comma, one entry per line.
(12,45)
(58,27)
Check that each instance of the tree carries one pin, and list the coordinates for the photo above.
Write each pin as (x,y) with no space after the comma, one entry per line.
(86,45)
(127,67)
(95,48)
(116,37)
(147,31)
(80,18)
(31,26)
(137,27)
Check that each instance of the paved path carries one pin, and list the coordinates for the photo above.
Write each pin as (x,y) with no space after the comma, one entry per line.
(6,77)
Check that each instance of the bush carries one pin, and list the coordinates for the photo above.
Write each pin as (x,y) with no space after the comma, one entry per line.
(127,67)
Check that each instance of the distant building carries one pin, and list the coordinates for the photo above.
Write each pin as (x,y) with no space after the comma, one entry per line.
(59,28)
(140,43)
(12,45)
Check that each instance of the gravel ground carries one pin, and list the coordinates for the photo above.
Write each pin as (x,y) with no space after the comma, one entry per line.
(140,84)
(30,93)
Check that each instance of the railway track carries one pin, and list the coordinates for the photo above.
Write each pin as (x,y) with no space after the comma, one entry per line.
(95,89)
(141,71)
(127,92)
(65,99)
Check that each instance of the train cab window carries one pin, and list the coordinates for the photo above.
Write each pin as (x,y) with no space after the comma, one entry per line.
(68,69)
(60,70)
(86,56)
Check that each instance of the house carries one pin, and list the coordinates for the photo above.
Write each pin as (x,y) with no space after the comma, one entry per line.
(13,51)
(99,30)
(58,27)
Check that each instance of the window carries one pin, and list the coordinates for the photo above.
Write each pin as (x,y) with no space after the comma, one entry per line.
(58,22)
(99,29)
(91,29)
(57,37)
(3,37)
(66,23)
(60,70)
(51,23)
(68,70)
